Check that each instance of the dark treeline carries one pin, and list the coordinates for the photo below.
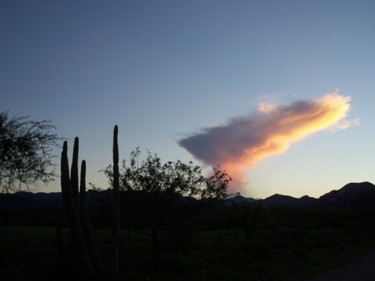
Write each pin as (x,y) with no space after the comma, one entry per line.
(208,217)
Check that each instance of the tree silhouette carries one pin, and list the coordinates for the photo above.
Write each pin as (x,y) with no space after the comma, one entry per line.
(25,152)
(169,192)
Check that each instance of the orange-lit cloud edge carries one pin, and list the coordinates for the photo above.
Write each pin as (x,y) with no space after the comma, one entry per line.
(244,142)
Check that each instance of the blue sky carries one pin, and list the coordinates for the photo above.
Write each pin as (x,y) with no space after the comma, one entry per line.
(162,70)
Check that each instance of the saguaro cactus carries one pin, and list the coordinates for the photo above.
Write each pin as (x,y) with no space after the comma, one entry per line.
(76,213)
(116,204)
(86,223)
(85,260)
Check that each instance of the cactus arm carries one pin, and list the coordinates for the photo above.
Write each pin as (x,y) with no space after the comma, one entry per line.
(86,222)
(74,172)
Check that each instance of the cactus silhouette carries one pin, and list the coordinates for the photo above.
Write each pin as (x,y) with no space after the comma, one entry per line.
(116,204)
(85,261)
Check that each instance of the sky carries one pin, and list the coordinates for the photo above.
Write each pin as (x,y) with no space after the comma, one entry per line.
(184,77)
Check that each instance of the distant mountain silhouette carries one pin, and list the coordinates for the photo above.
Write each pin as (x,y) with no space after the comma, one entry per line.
(29,200)
(353,195)
(239,199)
(278,200)
(40,200)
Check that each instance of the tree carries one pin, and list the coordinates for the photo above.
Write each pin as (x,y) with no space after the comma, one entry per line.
(25,152)
(171,192)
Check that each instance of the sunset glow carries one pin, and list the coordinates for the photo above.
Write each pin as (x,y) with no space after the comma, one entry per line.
(245,141)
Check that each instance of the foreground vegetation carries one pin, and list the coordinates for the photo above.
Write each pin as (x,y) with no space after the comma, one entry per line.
(167,233)
(220,243)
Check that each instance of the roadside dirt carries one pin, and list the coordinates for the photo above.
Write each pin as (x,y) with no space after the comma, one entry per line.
(361,270)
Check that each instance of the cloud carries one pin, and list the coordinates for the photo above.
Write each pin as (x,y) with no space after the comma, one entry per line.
(245,141)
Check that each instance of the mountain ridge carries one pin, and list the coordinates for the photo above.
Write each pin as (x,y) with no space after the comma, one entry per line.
(352,195)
